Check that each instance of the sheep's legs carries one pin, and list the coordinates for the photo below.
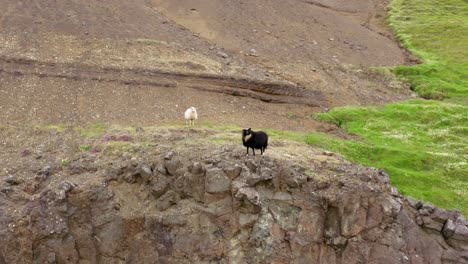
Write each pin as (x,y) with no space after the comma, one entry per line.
(253,150)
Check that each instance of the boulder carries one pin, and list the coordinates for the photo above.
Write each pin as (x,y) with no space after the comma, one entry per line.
(217,181)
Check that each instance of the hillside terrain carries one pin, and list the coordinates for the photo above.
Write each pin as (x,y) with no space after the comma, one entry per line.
(144,62)
(421,143)
(178,195)
(97,166)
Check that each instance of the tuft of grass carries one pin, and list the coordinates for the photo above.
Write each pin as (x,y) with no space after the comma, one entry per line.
(118,146)
(421,144)
(58,128)
(437,32)
(63,162)
(290,115)
(94,130)
(85,147)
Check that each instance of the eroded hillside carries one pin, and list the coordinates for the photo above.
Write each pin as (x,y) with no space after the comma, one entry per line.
(179,195)
(104,61)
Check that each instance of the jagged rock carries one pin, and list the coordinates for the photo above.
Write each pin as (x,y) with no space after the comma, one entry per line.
(411,201)
(264,175)
(292,178)
(172,165)
(455,256)
(310,226)
(390,209)
(233,171)
(217,181)
(195,185)
(383,177)
(78,166)
(253,52)
(423,212)
(197,168)
(332,223)
(252,165)
(167,200)
(282,196)
(261,236)
(461,232)
(222,54)
(66,186)
(247,220)
(169,155)
(352,214)
(45,171)
(419,204)
(449,229)
(337,241)
(429,207)
(140,172)
(159,186)
(12,180)
(144,170)
(218,206)
(63,188)
(249,193)
(174,220)
(434,218)
(6,189)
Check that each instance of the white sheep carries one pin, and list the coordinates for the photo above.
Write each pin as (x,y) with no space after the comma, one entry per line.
(191,115)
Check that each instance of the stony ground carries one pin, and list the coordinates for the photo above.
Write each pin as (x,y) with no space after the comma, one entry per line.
(182,195)
(240,62)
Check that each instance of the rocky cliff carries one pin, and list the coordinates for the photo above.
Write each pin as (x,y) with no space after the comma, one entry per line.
(193,196)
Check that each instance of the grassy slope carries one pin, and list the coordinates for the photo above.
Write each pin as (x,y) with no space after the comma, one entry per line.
(422,144)
(436,31)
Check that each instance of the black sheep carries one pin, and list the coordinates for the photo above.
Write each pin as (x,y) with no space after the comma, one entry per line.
(254,140)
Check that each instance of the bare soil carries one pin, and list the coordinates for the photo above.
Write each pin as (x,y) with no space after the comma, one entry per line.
(268,64)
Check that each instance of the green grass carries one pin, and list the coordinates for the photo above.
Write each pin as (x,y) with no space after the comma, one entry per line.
(437,32)
(421,144)
(85,147)
(94,130)
(63,162)
(58,128)
(289,135)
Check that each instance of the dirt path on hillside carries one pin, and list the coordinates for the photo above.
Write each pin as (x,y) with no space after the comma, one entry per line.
(82,96)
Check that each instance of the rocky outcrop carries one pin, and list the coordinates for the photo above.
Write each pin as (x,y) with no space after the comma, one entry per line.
(219,206)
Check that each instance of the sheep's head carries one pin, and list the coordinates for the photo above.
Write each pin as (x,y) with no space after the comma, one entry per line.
(246,134)
(246,131)
(193,109)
